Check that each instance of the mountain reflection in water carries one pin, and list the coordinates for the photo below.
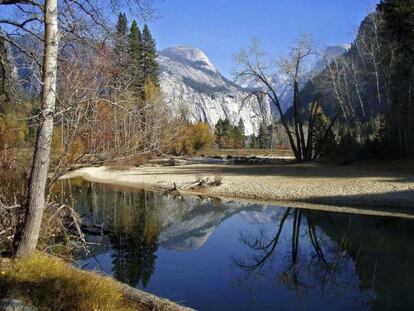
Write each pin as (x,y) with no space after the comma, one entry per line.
(216,254)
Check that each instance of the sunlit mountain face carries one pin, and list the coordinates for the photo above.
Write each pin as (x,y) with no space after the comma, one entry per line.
(191,82)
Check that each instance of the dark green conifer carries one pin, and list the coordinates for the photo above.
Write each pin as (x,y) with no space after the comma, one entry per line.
(121,52)
(149,57)
(135,55)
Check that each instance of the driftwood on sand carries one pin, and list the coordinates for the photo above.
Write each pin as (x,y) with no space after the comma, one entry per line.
(199,183)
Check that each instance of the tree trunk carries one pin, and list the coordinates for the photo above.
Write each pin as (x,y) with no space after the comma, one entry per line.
(37,184)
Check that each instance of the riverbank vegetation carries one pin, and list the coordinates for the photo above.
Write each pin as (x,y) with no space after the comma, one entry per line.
(51,284)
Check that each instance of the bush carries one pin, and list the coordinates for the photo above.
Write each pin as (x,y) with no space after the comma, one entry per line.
(76,149)
(14,165)
(195,137)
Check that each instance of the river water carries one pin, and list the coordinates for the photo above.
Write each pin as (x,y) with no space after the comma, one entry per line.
(213,254)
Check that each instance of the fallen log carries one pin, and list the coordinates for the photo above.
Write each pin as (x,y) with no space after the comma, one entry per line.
(151,301)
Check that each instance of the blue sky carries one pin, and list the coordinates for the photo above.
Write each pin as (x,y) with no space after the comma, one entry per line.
(221,27)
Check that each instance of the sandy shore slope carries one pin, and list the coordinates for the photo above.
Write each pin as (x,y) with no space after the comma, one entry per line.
(358,188)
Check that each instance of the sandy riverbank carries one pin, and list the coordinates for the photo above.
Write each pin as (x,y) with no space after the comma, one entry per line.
(363,188)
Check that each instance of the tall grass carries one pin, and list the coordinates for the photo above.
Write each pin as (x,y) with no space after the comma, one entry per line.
(50,284)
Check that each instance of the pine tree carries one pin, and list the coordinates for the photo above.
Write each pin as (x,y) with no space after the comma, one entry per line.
(122,25)
(222,131)
(135,55)
(151,68)
(121,52)
(241,127)
(236,137)
(265,137)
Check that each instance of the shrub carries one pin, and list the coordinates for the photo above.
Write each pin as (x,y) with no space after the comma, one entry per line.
(75,150)
(195,137)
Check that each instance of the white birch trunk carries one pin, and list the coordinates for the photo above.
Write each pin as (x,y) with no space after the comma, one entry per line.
(41,157)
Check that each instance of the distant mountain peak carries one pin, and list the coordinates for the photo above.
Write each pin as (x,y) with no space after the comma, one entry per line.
(189,55)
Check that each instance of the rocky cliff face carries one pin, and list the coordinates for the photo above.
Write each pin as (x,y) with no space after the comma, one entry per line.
(190,81)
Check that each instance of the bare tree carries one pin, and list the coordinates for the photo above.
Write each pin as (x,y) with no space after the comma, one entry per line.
(255,71)
(359,79)
(263,250)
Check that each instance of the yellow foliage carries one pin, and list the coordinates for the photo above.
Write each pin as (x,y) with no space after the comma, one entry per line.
(76,147)
(201,136)
(13,131)
(195,137)
(51,284)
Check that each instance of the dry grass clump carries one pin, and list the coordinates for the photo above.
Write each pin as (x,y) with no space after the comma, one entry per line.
(128,162)
(50,284)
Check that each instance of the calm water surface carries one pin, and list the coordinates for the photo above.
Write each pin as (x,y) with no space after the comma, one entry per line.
(226,255)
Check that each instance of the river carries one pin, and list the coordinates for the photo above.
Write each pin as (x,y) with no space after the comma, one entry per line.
(213,254)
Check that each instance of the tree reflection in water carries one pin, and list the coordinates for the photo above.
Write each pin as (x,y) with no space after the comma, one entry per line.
(130,222)
(365,261)
(305,260)
(134,240)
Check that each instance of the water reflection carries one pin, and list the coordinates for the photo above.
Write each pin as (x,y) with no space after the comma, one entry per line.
(192,249)
(335,254)
(134,238)
(132,233)
(302,257)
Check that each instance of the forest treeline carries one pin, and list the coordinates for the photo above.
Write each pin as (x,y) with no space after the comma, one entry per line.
(360,105)
(371,85)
